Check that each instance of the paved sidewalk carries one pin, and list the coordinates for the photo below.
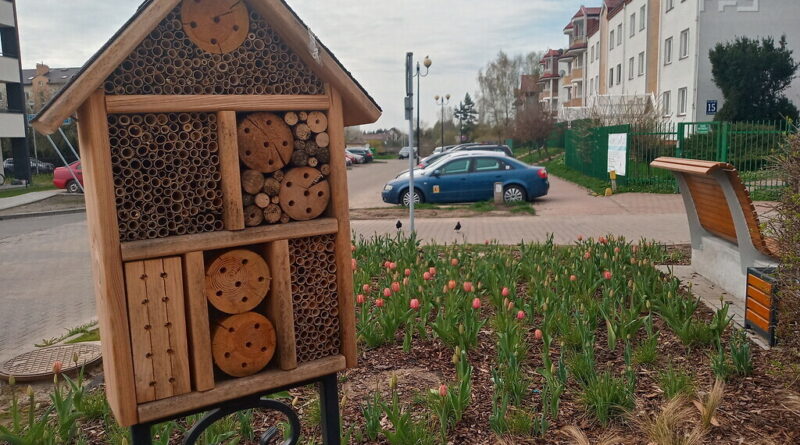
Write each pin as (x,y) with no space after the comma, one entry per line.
(27,198)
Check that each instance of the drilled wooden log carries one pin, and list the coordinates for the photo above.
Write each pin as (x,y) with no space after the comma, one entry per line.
(302,131)
(317,121)
(252,181)
(291,118)
(237,281)
(253,216)
(243,344)
(305,193)
(265,142)
(273,213)
(272,186)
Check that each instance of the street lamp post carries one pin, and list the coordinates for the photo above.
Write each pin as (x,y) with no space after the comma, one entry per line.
(412,157)
(427,62)
(443,101)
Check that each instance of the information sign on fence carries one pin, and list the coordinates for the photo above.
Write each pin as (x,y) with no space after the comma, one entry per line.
(617,152)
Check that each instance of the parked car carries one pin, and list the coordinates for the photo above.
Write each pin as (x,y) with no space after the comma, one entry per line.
(363,152)
(357,158)
(469,177)
(44,167)
(442,149)
(405,152)
(64,180)
(485,147)
(350,159)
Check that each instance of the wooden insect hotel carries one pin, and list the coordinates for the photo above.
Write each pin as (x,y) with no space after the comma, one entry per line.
(212,141)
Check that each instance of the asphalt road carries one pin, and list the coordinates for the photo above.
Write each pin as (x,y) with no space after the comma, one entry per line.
(366,182)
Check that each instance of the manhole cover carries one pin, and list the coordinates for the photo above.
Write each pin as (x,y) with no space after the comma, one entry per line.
(38,364)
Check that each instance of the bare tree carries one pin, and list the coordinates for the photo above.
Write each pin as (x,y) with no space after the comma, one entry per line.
(534,125)
(497,84)
(530,63)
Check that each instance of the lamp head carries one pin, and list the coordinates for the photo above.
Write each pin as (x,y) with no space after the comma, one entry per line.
(436,97)
(448,97)
(427,62)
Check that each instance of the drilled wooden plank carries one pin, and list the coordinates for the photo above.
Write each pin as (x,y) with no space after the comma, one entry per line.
(138,314)
(176,316)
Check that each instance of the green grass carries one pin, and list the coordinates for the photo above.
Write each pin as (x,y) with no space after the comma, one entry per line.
(536,156)
(384,157)
(480,207)
(558,167)
(39,183)
(675,382)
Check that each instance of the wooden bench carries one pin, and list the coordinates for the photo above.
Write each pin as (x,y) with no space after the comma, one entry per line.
(724,226)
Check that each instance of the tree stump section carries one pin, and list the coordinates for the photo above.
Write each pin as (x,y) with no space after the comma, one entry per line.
(305,194)
(323,140)
(317,121)
(302,132)
(273,213)
(237,281)
(252,181)
(272,187)
(252,215)
(265,142)
(243,344)
(216,27)
(291,118)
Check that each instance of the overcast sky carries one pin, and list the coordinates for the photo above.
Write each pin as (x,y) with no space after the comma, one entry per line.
(370,37)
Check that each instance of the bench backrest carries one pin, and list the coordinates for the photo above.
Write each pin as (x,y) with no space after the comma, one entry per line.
(709,199)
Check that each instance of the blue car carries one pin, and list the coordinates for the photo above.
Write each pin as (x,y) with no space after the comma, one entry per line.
(470,177)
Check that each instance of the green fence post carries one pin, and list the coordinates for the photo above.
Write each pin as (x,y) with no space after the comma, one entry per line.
(723,143)
(681,133)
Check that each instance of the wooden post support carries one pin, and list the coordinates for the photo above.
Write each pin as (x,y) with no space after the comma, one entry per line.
(108,280)
(279,303)
(194,280)
(340,208)
(229,169)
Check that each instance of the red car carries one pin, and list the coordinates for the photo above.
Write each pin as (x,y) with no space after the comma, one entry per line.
(63,179)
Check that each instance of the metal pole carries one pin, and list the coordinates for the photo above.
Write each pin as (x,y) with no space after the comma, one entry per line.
(419,108)
(442,123)
(63,135)
(410,115)
(55,147)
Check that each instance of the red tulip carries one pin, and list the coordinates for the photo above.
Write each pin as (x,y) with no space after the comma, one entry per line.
(427,276)
(468,286)
(432,271)
(521,315)
(607,275)
(395,287)
(587,255)
(414,304)
(360,298)
(366,288)
(602,240)
(379,302)
(57,367)
(616,250)
(387,292)
(537,334)
(392,266)
(505,292)
(573,278)
(443,390)
(408,272)
(386,264)
(486,242)
(454,262)
(580,237)
(355,264)
(451,284)
(476,303)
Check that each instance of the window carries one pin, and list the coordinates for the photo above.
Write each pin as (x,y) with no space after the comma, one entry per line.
(591,56)
(578,89)
(668,51)
(630,68)
(682,99)
(643,18)
(666,107)
(641,63)
(619,74)
(611,40)
(487,165)
(611,77)
(579,62)
(633,24)
(670,5)
(591,87)
(458,167)
(619,34)
(684,44)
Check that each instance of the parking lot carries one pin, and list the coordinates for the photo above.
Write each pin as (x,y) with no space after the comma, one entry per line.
(366,182)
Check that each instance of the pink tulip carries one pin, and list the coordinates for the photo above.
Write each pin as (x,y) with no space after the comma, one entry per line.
(607,275)
(360,298)
(510,305)
(505,292)
(352,247)
(395,287)
(379,302)
(521,315)
(408,272)
(414,304)
(573,278)
(387,292)
(443,390)
(386,264)
(587,255)
(635,249)
(427,276)
(537,334)
(602,240)
(355,264)
(468,286)
(365,288)
(580,237)
(451,284)
(405,281)
(57,367)
(454,262)
(476,303)
(432,271)
(392,266)
(616,250)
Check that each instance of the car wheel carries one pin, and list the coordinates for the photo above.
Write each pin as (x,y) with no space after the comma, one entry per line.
(514,193)
(406,198)
(73,187)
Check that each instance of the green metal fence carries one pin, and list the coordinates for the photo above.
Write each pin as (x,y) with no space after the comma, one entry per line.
(749,146)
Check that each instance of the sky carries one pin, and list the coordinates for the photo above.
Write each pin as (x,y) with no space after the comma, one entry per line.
(370,37)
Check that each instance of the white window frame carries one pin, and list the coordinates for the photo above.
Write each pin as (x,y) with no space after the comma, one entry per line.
(633,24)
(683,101)
(668,50)
(611,39)
(643,18)
(666,105)
(611,77)
(631,68)
(684,44)
(591,56)
(642,63)
(619,74)
(619,34)
(670,4)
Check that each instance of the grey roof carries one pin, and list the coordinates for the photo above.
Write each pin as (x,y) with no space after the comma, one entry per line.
(56,76)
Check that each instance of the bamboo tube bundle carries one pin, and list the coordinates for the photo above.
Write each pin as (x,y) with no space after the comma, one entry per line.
(252,59)
(315,304)
(162,178)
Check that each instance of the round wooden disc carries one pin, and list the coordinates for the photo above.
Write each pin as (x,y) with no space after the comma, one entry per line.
(323,140)
(305,193)
(265,142)
(216,26)
(237,281)
(317,121)
(243,344)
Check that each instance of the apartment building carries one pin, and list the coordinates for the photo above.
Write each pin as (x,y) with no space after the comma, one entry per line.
(42,83)
(12,114)
(654,53)
(573,60)
(550,81)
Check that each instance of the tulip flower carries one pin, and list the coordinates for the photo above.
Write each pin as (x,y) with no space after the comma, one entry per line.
(468,286)
(451,284)
(587,255)
(443,390)
(510,305)
(427,276)
(355,264)
(57,367)
(387,292)
(379,302)
(366,288)
(521,315)
(607,275)
(352,247)
(413,304)
(405,281)
(476,303)
(386,264)
(486,242)
(537,334)
(580,237)
(360,298)
(392,266)
(602,240)
(408,272)
(573,278)
(395,287)
(505,292)
(454,262)
(616,250)
(432,271)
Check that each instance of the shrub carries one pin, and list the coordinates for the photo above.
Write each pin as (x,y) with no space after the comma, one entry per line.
(607,396)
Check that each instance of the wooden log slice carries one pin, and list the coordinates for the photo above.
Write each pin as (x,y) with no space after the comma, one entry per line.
(265,142)
(322,140)
(299,158)
(313,162)
(252,181)
(262,200)
(305,193)
(285,218)
(237,281)
(291,118)
(216,27)
(312,148)
(273,213)
(253,215)
(302,132)
(243,344)
(324,155)
(317,121)
(325,169)
(303,116)
(247,199)
(278,175)
(272,187)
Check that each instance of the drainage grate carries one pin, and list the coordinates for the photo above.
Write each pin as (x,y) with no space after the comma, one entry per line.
(38,364)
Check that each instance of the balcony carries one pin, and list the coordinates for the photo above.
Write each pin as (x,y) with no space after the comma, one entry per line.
(9,69)
(12,125)
(7,14)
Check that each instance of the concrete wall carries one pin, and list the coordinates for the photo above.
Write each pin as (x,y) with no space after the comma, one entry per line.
(681,72)
(7,14)
(724,21)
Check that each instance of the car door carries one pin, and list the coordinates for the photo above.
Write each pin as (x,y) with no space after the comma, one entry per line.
(451,185)
(486,172)
(78,172)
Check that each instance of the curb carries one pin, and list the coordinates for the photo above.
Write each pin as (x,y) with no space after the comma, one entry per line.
(40,214)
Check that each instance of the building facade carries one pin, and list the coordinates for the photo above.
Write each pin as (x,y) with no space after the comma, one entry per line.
(42,83)
(12,116)
(654,53)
